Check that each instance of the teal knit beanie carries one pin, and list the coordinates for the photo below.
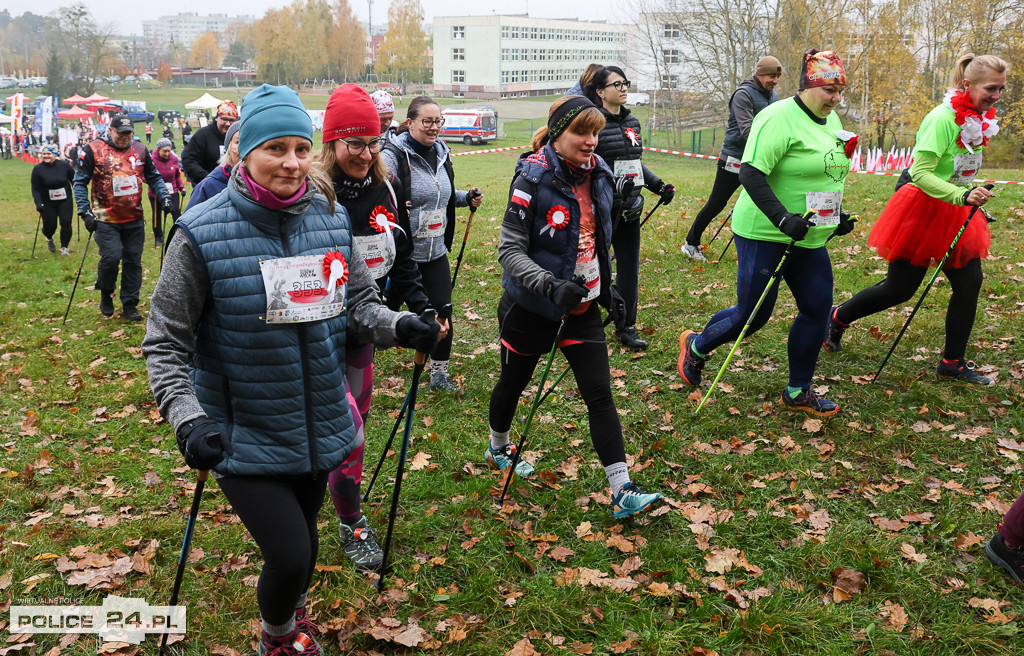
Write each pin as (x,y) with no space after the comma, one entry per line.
(270,112)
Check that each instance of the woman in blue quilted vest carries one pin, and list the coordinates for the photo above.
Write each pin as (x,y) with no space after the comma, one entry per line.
(245,348)
(554,252)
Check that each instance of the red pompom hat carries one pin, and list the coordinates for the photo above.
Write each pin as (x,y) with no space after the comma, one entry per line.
(350,113)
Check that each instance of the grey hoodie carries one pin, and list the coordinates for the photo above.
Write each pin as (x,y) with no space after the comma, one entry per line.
(431,191)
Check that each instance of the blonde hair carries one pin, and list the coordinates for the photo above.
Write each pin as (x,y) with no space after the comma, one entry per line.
(327,162)
(589,120)
(972,67)
(228,155)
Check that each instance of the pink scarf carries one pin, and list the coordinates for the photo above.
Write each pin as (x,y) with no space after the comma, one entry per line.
(267,198)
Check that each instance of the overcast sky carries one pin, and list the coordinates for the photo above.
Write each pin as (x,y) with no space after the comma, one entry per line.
(128,16)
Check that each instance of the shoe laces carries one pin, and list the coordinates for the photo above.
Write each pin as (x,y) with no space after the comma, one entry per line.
(507,452)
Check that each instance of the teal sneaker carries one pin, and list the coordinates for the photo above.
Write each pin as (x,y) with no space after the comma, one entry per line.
(631,500)
(502,459)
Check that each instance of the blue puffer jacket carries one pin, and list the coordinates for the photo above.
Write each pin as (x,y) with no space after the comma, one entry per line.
(208,187)
(289,416)
(540,177)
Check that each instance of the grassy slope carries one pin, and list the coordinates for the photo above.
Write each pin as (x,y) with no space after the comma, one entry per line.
(765,473)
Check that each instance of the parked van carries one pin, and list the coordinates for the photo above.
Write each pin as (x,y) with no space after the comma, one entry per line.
(470,125)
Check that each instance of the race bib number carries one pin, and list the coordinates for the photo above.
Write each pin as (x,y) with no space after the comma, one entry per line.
(732,165)
(826,206)
(377,252)
(591,273)
(965,168)
(631,167)
(431,224)
(125,185)
(58,194)
(298,290)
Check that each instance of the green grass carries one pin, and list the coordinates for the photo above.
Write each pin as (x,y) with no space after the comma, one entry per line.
(758,468)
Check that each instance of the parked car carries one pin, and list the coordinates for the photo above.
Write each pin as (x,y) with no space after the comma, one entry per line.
(8,82)
(146,77)
(113,79)
(165,114)
(128,79)
(25,84)
(638,99)
(137,114)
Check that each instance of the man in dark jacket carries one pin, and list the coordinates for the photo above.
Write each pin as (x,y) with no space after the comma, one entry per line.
(206,147)
(754,94)
(116,166)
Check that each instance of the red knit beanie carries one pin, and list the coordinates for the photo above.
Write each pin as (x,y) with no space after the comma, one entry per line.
(350,113)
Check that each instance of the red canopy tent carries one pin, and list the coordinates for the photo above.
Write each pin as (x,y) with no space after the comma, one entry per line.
(96,98)
(74,100)
(75,112)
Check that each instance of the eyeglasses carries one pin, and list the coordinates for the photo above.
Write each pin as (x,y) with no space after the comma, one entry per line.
(619,85)
(357,146)
(428,123)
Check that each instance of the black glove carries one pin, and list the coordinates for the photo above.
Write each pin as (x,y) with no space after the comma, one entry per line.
(846,224)
(89,220)
(418,333)
(794,226)
(624,186)
(199,441)
(167,205)
(667,193)
(566,294)
(40,207)
(616,307)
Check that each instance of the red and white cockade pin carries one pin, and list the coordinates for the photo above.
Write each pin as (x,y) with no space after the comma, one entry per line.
(558,217)
(335,270)
(381,219)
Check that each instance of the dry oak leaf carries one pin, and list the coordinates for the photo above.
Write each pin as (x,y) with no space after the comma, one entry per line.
(560,554)
(893,525)
(846,583)
(420,461)
(962,542)
(624,646)
(895,617)
(413,635)
(224,650)
(908,552)
(523,648)
(659,589)
(812,425)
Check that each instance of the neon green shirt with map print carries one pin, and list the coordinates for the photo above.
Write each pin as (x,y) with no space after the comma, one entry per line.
(806,166)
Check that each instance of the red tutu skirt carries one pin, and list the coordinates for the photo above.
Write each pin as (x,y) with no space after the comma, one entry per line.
(918,228)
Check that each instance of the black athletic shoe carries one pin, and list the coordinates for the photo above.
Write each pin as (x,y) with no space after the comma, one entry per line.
(961,370)
(107,303)
(131,313)
(1011,560)
(808,401)
(833,333)
(50,246)
(689,364)
(631,339)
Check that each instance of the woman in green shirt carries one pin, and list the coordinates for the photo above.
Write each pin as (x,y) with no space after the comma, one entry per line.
(796,160)
(923,217)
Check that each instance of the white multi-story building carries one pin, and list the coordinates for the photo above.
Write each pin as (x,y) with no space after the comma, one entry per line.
(517,56)
(184,28)
(659,55)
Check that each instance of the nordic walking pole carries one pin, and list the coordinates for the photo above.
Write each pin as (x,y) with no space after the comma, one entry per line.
(928,287)
(746,327)
(724,250)
(458,262)
(420,361)
(77,276)
(533,409)
(656,206)
(387,447)
(193,514)
(720,226)
(36,238)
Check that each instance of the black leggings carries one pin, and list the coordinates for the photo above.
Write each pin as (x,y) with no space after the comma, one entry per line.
(531,336)
(437,282)
(725,186)
(280,514)
(903,279)
(626,243)
(63,210)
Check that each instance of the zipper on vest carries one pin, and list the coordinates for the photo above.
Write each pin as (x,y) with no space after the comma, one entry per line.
(304,358)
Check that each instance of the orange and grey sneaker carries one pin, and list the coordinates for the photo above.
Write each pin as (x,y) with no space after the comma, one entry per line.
(690,364)
(808,401)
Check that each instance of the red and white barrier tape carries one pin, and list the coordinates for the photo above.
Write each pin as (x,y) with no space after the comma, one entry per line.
(676,152)
(489,150)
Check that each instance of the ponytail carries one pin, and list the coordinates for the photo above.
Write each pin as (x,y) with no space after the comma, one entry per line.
(540,138)
(972,67)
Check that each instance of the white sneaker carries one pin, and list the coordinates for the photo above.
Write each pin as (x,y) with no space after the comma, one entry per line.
(65,251)
(694,253)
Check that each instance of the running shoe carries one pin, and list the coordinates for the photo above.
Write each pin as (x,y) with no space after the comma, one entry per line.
(439,380)
(298,643)
(64,251)
(808,401)
(502,460)
(961,370)
(131,313)
(690,364)
(694,253)
(631,339)
(834,333)
(107,303)
(1008,558)
(631,500)
(359,543)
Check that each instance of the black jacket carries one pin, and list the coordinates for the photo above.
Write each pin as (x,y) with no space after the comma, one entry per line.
(621,138)
(47,177)
(202,153)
